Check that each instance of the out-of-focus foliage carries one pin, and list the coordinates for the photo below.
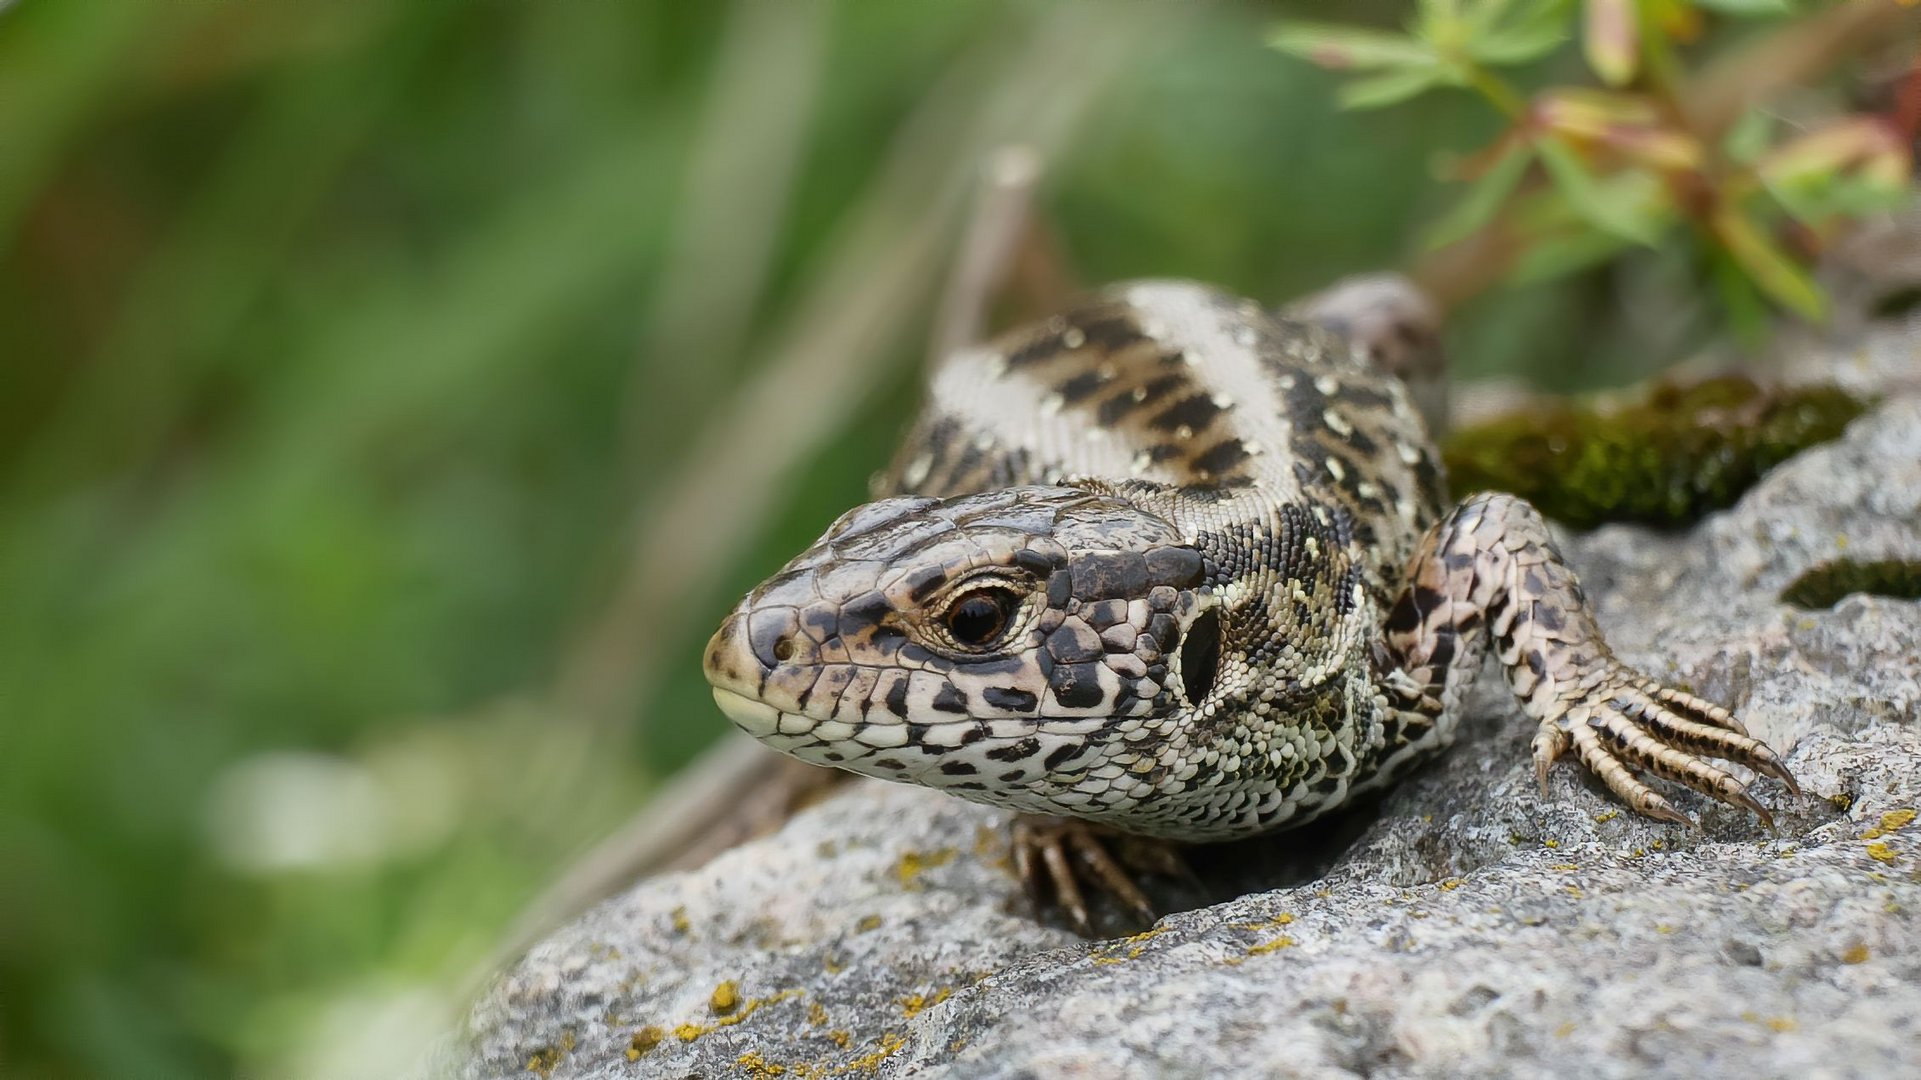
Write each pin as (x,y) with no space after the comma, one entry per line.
(372,452)
(1632,162)
(1681,451)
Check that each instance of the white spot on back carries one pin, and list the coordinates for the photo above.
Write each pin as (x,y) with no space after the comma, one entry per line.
(916,472)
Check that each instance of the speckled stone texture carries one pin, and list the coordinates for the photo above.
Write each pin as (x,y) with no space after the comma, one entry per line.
(1463,925)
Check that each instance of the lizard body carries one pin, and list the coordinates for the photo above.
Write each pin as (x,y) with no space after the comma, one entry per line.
(1178,566)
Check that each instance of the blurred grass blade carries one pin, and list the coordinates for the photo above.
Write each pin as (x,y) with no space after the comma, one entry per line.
(57,63)
(1771,268)
(733,203)
(1485,196)
(221,251)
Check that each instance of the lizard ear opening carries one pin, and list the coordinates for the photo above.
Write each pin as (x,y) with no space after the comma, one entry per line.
(1201,656)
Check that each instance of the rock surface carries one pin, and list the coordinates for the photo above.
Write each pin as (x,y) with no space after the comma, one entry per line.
(1464,925)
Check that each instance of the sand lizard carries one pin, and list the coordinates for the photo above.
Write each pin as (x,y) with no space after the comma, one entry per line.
(1179,566)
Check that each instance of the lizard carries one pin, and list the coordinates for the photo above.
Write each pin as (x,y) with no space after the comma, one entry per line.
(1169,564)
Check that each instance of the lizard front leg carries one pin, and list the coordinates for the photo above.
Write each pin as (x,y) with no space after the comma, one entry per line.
(1489,570)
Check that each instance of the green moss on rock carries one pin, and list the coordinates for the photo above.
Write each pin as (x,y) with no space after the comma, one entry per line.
(1684,450)
(1824,585)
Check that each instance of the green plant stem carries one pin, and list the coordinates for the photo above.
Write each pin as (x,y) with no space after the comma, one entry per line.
(1496,90)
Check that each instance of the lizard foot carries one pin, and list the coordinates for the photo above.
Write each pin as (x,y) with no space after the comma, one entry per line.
(1056,854)
(1628,724)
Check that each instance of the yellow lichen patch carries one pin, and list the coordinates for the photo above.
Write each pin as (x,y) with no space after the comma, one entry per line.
(1606,816)
(888,1045)
(1451,884)
(644,1041)
(1564,866)
(986,841)
(832,965)
(1551,843)
(868,924)
(1782,1023)
(1283,919)
(1128,948)
(1879,851)
(679,918)
(544,1060)
(1575,892)
(1566,1029)
(1841,801)
(913,862)
(1663,928)
(842,1037)
(690,1031)
(1891,822)
(817,1014)
(1265,947)
(913,1004)
(752,1064)
(725,998)
(1856,954)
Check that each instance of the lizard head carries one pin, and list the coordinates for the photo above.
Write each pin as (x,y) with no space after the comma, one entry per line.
(1004,646)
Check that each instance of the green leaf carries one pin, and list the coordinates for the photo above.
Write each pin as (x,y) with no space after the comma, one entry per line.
(1484,198)
(1342,47)
(1484,16)
(1749,137)
(1746,309)
(1547,259)
(1612,207)
(1747,7)
(1611,37)
(1389,88)
(1774,270)
(1532,33)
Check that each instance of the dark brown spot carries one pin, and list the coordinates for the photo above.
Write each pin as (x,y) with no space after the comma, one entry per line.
(1221,458)
(1009,699)
(1194,413)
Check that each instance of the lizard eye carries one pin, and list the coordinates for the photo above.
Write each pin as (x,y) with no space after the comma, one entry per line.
(980,616)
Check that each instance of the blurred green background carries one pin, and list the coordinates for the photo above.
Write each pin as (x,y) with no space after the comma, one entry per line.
(393,396)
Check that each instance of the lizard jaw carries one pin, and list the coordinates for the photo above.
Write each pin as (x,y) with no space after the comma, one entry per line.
(756,718)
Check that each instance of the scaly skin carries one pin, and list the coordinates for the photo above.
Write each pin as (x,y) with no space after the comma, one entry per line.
(1180,567)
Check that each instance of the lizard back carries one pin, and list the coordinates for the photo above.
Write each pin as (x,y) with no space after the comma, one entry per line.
(1184,385)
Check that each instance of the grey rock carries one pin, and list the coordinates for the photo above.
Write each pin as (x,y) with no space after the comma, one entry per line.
(1463,925)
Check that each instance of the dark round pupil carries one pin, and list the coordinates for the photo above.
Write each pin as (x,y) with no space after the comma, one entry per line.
(977,619)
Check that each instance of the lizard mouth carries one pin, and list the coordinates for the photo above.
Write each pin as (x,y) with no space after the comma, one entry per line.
(756,718)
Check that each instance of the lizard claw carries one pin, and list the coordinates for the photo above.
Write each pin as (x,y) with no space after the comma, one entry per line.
(1053,854)
(1628,725)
